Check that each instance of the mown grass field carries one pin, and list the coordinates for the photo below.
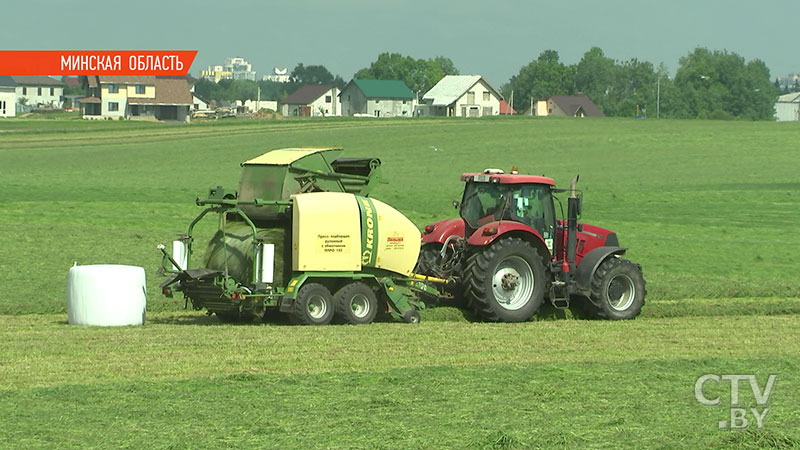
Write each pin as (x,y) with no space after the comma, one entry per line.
(708,208)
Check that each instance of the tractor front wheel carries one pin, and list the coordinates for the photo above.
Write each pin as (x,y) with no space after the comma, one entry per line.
(313,305)
(505,282)
(618,289)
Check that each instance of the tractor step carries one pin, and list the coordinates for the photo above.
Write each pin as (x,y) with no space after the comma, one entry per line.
(559,295)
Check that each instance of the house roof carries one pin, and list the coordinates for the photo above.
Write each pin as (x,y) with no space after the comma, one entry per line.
(571,104)
(37,80)
(169,91)
(88,100)
(72,81)
(120,79)
(6,80)
(306,94)
(794,97)
(505,108)
(452,87)
(382,88)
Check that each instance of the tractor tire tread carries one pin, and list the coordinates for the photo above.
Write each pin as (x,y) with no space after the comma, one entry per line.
(478,269)
(598,280)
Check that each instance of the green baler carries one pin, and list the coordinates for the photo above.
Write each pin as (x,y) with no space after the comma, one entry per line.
(292,238)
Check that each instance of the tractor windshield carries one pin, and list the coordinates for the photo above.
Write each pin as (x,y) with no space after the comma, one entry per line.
(531,204)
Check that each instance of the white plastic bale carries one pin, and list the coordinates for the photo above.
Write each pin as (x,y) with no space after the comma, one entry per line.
(106,295)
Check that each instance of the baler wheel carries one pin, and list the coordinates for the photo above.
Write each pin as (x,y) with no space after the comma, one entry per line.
(356,303)
(618,289)
(411,316)
(505,282)
(313,305)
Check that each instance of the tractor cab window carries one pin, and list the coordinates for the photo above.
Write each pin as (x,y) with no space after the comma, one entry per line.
(532,204)
(483,203)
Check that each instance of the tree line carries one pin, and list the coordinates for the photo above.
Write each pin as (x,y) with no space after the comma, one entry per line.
(707,84)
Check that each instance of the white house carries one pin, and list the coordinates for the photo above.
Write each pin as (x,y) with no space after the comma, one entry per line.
(8,97)
(39,91)
(462,96)
(312,100)
(787,107)
(198,103)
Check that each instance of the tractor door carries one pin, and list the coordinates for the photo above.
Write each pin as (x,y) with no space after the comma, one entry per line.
(532,204)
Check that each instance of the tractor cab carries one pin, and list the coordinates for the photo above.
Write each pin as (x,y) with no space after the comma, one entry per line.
(494,196)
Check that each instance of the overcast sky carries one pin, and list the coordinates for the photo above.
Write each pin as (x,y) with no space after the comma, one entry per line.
(492,38)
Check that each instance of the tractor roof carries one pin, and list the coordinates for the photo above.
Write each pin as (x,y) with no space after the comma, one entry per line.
(506,178)
(286,156)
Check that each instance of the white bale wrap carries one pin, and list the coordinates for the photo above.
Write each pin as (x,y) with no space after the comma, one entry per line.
(106,295)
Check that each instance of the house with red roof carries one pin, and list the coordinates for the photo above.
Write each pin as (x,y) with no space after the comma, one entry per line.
(506,109)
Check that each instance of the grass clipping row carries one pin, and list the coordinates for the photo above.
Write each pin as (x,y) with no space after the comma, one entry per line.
(237,248)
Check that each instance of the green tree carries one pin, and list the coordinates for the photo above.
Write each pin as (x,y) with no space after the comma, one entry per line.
(594,76)
(314,74)
(633,89)
(540,78)
(418,74)
(721,85)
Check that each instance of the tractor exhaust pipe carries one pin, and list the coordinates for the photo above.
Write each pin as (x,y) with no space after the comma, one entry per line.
(572,224)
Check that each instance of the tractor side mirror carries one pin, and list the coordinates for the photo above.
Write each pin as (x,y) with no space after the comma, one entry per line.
(456,204)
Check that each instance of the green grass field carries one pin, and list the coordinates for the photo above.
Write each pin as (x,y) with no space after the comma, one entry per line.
(708,208)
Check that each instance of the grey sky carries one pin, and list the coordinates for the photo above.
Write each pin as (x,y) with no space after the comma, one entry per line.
(492,38)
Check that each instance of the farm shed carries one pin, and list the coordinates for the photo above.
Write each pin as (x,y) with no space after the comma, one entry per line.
(787,107)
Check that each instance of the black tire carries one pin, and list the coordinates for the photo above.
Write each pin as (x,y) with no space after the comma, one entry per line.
(618,289)
(429,255)
(313,305)
(505,282)
(356,303)
(411,316)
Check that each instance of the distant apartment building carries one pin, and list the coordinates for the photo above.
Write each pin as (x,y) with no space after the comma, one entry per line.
(790,82)
(236,68)
(278,76)
(215,74)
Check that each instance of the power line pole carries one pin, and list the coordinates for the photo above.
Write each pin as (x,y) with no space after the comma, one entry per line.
(658,97)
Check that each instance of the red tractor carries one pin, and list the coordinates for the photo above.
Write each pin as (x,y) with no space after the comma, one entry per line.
(507,252)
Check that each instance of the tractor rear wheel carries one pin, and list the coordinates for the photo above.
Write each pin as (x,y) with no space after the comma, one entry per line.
(618,289)
(313,305)
(356,303)
(505,282)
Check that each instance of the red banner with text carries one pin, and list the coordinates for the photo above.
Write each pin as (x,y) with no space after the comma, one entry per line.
(96,62)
